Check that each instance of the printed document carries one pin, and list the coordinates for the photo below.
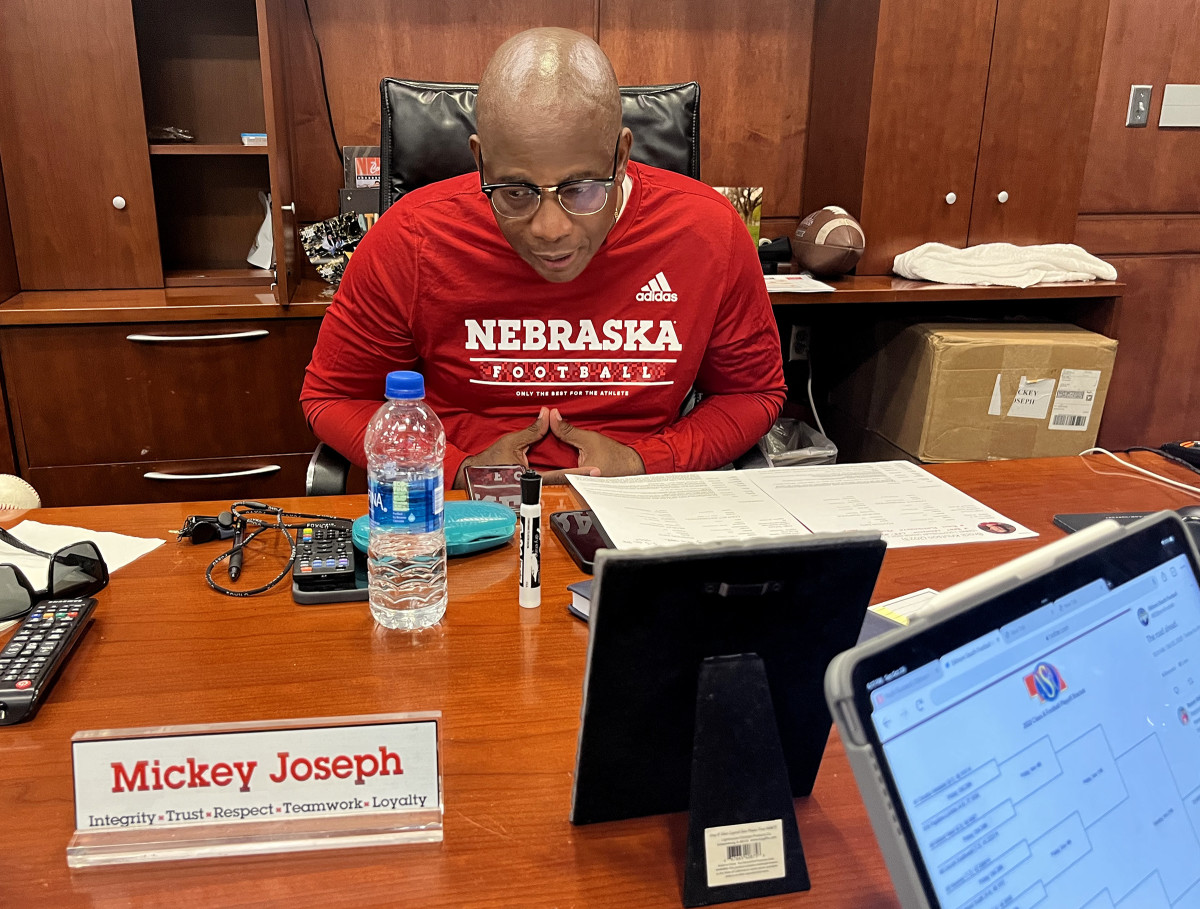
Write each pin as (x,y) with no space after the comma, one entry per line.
(908,506)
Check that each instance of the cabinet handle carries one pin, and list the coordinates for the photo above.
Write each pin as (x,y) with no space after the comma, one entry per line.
(227,336)
(1002,197)
(291,206)
(252,472)
(951,198)
(119,203)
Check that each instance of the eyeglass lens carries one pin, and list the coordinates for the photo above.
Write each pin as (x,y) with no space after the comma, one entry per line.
(15,597)
(77,570)
(583,198)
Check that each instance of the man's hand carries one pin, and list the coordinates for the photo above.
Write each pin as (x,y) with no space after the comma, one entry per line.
(508,449)
(598,454)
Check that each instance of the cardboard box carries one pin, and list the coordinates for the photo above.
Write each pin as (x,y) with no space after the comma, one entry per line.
(954,392)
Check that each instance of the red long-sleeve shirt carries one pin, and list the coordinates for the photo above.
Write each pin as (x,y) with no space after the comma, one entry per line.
(674,298)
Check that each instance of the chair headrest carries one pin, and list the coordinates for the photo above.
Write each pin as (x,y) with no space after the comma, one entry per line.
(425,128)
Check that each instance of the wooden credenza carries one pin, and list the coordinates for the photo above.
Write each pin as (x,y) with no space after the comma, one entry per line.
(158,396)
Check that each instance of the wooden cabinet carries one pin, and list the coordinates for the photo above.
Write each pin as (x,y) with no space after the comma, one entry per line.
(98,198)
(160,411)
(73,145)
(956,121)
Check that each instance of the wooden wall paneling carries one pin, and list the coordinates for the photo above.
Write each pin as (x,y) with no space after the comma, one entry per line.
(200,68)
(1104,235)
(73,140)
(931,76)
(10,281)
(1041,92)
(1154,396)
(449,41)
(1145,169)
(752,60)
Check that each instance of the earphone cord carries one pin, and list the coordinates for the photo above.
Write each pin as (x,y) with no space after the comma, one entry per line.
(262,526)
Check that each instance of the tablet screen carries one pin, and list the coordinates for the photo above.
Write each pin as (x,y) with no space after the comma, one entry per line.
(1054,759)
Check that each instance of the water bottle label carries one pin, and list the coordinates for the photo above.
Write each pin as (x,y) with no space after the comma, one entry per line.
(413,506)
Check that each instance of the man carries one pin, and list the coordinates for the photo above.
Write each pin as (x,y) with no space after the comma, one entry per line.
(561,315)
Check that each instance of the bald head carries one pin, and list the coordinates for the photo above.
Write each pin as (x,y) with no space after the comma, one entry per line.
(549,78)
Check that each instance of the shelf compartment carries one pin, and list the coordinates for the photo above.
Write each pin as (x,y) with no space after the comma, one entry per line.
(208,210)
(188,148)
(200,68)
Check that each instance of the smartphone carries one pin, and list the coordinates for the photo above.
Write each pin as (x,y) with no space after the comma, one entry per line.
(581,535)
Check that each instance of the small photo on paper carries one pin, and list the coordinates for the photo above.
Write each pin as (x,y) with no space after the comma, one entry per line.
(747,200)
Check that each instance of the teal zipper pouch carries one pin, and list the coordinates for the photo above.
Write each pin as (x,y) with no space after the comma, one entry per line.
(470,527)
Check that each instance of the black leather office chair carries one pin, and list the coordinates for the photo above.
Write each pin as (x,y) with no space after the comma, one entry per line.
(424,132)
(425,127)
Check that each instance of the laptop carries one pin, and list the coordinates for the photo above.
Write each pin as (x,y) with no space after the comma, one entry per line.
(1036,740)
(657,614)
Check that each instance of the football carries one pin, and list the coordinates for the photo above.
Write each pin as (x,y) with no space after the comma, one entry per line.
(829,242)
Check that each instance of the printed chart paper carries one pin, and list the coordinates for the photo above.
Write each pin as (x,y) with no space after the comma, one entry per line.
(908,506)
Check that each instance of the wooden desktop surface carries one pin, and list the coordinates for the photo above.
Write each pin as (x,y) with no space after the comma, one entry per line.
(166,650)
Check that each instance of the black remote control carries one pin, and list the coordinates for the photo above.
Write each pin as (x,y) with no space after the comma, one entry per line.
(324,556)
(33,656)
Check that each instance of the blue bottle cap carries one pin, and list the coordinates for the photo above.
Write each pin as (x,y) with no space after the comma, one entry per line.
(405,385)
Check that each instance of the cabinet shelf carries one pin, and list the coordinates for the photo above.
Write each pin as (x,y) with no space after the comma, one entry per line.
(208,149)
(217,277)
(887,289)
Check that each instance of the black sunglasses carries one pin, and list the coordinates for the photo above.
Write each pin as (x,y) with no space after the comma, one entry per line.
(77,570)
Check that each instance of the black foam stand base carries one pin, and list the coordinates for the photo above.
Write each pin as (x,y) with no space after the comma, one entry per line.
(739,777)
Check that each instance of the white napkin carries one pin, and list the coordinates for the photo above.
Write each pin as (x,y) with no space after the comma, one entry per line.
(118,549)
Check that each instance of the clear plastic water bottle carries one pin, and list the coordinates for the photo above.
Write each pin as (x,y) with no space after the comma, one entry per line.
(406,557)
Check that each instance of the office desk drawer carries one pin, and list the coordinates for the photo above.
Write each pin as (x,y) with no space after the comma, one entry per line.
(107,394)
(259,478)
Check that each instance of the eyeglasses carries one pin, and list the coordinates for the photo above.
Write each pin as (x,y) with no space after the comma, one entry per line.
(577,197)
(77,570)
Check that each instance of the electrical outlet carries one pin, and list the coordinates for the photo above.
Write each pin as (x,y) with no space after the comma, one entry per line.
(1139,105)
(798,346)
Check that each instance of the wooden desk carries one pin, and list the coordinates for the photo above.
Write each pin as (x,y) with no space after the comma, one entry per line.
(165,649)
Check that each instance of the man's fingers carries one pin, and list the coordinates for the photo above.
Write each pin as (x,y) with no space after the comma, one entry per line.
(535,430)
(560,427)
(558,477)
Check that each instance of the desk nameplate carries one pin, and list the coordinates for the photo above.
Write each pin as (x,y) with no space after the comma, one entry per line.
(242,788)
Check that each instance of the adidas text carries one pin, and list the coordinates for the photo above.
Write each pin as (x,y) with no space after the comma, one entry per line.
(656,296)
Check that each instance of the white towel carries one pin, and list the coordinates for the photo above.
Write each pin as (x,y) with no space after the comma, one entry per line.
(1002,263)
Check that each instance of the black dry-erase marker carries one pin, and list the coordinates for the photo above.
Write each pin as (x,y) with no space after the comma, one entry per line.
(531,539)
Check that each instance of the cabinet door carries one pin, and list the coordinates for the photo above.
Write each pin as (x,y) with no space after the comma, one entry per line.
(1041,91)
(272,35)
(927,99)
(73,140)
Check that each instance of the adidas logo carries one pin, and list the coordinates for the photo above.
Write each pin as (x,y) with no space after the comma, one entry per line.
(657,291)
